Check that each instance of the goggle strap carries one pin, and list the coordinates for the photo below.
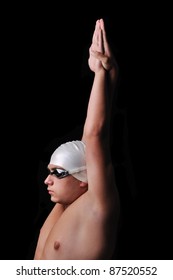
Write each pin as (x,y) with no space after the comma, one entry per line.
(76,170)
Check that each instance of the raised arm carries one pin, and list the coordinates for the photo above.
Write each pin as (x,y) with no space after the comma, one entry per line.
(96,133)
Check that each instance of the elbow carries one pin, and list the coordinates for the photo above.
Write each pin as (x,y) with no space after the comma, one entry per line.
(96,131)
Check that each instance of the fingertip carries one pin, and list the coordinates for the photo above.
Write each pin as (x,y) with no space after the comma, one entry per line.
(102,23)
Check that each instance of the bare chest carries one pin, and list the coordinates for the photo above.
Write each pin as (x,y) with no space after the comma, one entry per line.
(76,236)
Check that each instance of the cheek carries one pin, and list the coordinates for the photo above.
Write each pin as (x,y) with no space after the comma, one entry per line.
(60,191)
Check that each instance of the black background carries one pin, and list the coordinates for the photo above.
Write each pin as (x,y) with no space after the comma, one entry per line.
(46,88)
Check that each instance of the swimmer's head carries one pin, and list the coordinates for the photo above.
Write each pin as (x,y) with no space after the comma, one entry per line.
(71,157)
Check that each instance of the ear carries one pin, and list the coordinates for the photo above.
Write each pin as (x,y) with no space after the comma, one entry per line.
(83,184)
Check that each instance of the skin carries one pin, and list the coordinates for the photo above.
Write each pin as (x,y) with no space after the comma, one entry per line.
(84,221)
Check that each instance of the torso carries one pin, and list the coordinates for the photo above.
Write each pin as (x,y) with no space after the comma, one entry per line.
(82,233)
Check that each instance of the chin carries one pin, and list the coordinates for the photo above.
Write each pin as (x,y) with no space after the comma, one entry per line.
(54,199)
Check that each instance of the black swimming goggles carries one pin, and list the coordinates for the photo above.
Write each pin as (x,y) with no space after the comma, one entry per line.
(59,173)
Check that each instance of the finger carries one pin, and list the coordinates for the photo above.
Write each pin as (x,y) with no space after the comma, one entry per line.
(105,41)
(95,34)
(100,41)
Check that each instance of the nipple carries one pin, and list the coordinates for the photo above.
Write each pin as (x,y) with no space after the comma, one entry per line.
(56,245)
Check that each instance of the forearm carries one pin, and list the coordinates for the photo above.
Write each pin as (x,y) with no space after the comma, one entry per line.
(98,112)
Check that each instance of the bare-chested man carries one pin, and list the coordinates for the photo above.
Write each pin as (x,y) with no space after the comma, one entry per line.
(84,221)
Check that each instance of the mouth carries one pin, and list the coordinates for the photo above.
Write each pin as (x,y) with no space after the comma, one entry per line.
(50,192)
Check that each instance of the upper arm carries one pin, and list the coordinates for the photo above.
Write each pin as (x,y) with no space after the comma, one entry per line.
(100,171)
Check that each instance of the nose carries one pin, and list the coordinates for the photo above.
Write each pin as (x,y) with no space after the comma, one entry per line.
(48,180)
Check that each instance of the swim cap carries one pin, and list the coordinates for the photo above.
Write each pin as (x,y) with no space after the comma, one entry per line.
(71,157)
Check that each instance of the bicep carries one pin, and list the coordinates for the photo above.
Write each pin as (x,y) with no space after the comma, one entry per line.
(100,172)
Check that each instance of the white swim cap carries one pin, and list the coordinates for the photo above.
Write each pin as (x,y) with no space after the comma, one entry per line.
(71,157)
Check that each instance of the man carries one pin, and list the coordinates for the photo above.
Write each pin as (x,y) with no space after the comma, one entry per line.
(84,221)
